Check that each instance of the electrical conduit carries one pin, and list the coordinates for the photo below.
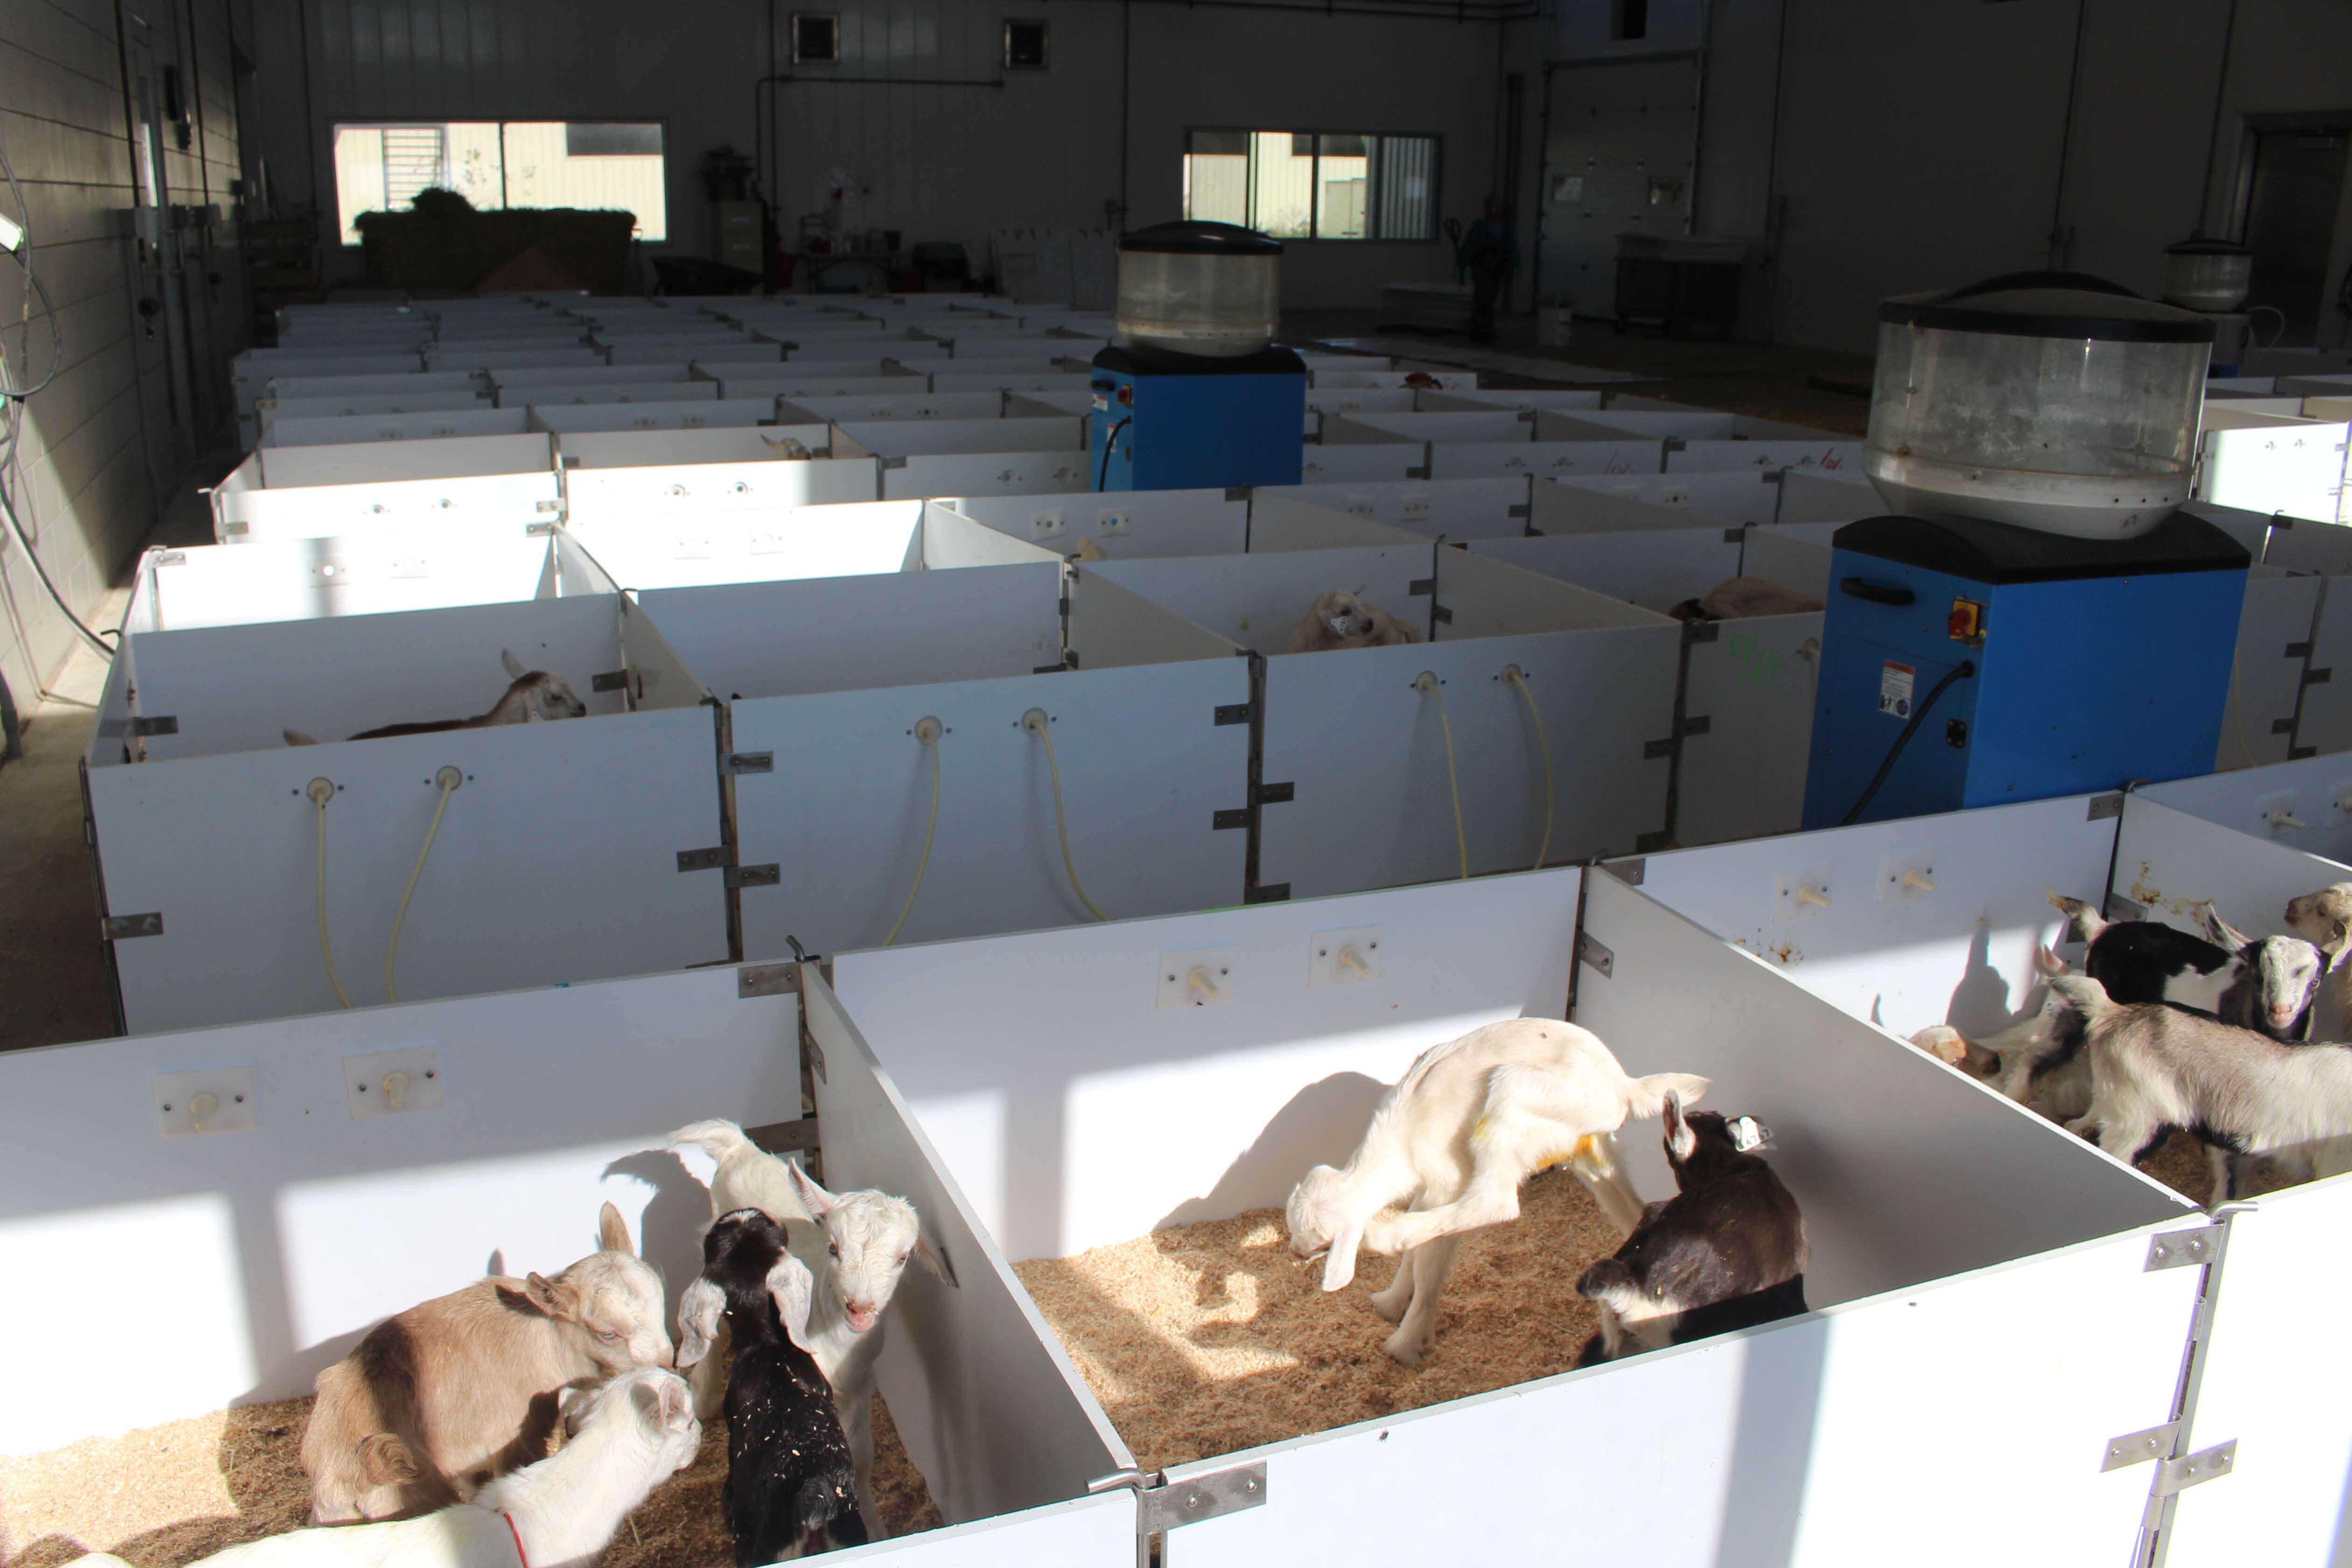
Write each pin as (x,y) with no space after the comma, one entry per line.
(1515,677)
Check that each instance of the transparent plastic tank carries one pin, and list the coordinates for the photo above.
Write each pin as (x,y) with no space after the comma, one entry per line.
(1211,289)
(2049,400)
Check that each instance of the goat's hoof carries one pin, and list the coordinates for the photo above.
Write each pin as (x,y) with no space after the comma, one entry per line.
(1393,1310)
(1403,1351)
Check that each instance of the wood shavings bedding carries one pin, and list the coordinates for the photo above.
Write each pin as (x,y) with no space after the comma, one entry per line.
(1208,1338)
(170,1495)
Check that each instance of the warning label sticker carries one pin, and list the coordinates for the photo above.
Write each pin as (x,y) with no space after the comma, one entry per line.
(1895,689)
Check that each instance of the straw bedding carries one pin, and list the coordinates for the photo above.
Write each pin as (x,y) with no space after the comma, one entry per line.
(168,1495)
(1208,1338)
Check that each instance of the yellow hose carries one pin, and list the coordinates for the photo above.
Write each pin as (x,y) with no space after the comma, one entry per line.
(1427,681)
(320,791)
(1513,676)
(928,731)
(448,778)
(1036,722)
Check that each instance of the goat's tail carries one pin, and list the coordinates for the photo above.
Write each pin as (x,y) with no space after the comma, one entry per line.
(2088,922)
(296,738)
(827,1506)
(715,1138)
(1647,1096)
(2083,994)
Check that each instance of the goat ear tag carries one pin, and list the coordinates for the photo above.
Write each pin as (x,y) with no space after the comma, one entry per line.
(1747,1135)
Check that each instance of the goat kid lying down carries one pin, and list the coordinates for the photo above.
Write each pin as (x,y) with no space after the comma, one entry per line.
(2156,1065)
(856,1244)
(535,697)
(1728,1251)
(438,1400)
(1338,620)
(792,1488)
(623,1440)
(1470,1121)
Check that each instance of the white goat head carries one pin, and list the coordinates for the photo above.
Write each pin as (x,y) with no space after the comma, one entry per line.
(544,695)
(2324,917)
(869,1237)
(614,1295)
(2287,969)
(1320,1217)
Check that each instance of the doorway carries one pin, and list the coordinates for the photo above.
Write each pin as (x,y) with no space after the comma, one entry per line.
(1618,137)
(2291,188)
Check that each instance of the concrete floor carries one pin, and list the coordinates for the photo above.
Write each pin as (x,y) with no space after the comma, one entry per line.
(53,978)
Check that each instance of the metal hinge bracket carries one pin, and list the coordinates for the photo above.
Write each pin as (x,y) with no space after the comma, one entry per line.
(2318,676)
(2298,650)
(538,530)
(2283,726)
(1697,724)
(1420,587)
(767,979)
(609,680)
(1590,951)
(120,928)
(711,859)
(765,876)
(786,1137)
(2138,1447)
(2103,807)
(1232,714)
(1654,843)
(1652,751)
(1163,1505)
(2297,753)
(894,462)
(1701,631)
(739,763)
(1270,893)
(547,505)
(2186,1248)
(1517,509)
(1237,492)
(1630,872)
(2194,1470)
(1440,614)
(2118,907)
(1735,536)
(1276,793)
(171,558)
(161,724)
(1232,817)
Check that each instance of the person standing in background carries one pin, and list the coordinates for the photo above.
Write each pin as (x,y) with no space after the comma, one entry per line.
(1489,256)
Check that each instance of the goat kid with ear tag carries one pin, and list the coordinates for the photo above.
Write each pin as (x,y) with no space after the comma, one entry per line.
(1728,1251)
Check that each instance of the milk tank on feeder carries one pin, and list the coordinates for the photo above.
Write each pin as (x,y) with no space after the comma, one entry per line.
(1196,395)
(2041,619)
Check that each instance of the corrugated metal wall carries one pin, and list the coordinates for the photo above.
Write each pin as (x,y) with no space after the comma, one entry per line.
(94,445)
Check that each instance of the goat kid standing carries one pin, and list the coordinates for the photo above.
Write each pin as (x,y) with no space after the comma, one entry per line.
(791,1487)
(1470,1121)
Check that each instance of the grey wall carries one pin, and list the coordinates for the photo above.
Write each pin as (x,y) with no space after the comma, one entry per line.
(99,440)
(1872,149)
(936,162)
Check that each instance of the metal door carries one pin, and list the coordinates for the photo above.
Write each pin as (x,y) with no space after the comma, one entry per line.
(1617,160)
(2293,185)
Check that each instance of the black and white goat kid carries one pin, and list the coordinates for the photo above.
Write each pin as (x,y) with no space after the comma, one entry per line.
(1728,1251)
(791,1488)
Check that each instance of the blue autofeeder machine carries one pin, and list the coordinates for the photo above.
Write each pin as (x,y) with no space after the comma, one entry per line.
(1196,396)
(2041,619)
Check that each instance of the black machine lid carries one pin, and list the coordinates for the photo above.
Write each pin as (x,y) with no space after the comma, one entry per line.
(1197,238)
(1133,359)
(2207,248)
(1997,553)
(2050,305)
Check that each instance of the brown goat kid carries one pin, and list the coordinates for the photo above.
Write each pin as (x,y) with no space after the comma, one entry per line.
(440,1400)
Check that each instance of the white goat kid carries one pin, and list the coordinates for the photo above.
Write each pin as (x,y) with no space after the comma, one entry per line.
(856,1244)
(624,1439)
(1470,1121)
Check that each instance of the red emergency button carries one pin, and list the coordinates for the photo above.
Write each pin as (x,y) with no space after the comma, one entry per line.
(1966,621)
(1127,396)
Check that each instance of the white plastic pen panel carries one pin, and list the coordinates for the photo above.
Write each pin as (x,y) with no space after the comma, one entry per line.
(1124,525)
(345,429)
(361,574)
(1450,509)
(1544,460)
(687,415)
(1736,497)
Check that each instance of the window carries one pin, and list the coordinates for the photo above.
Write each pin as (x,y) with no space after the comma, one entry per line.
(607,164)
(816,38)
(1309,185)
(1629,19)
(1024,46)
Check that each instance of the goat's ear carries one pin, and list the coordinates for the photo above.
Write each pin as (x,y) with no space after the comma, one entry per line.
(514,666)
(814,1198)
(2047,960)
(1340,1263)
(612,1234)
(571,1406)
(698,1314)
(931,1260)
(1681,1142)
(2221,930)
(677,1405)
(793,1289)
(556,1298)
(1605,1275)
